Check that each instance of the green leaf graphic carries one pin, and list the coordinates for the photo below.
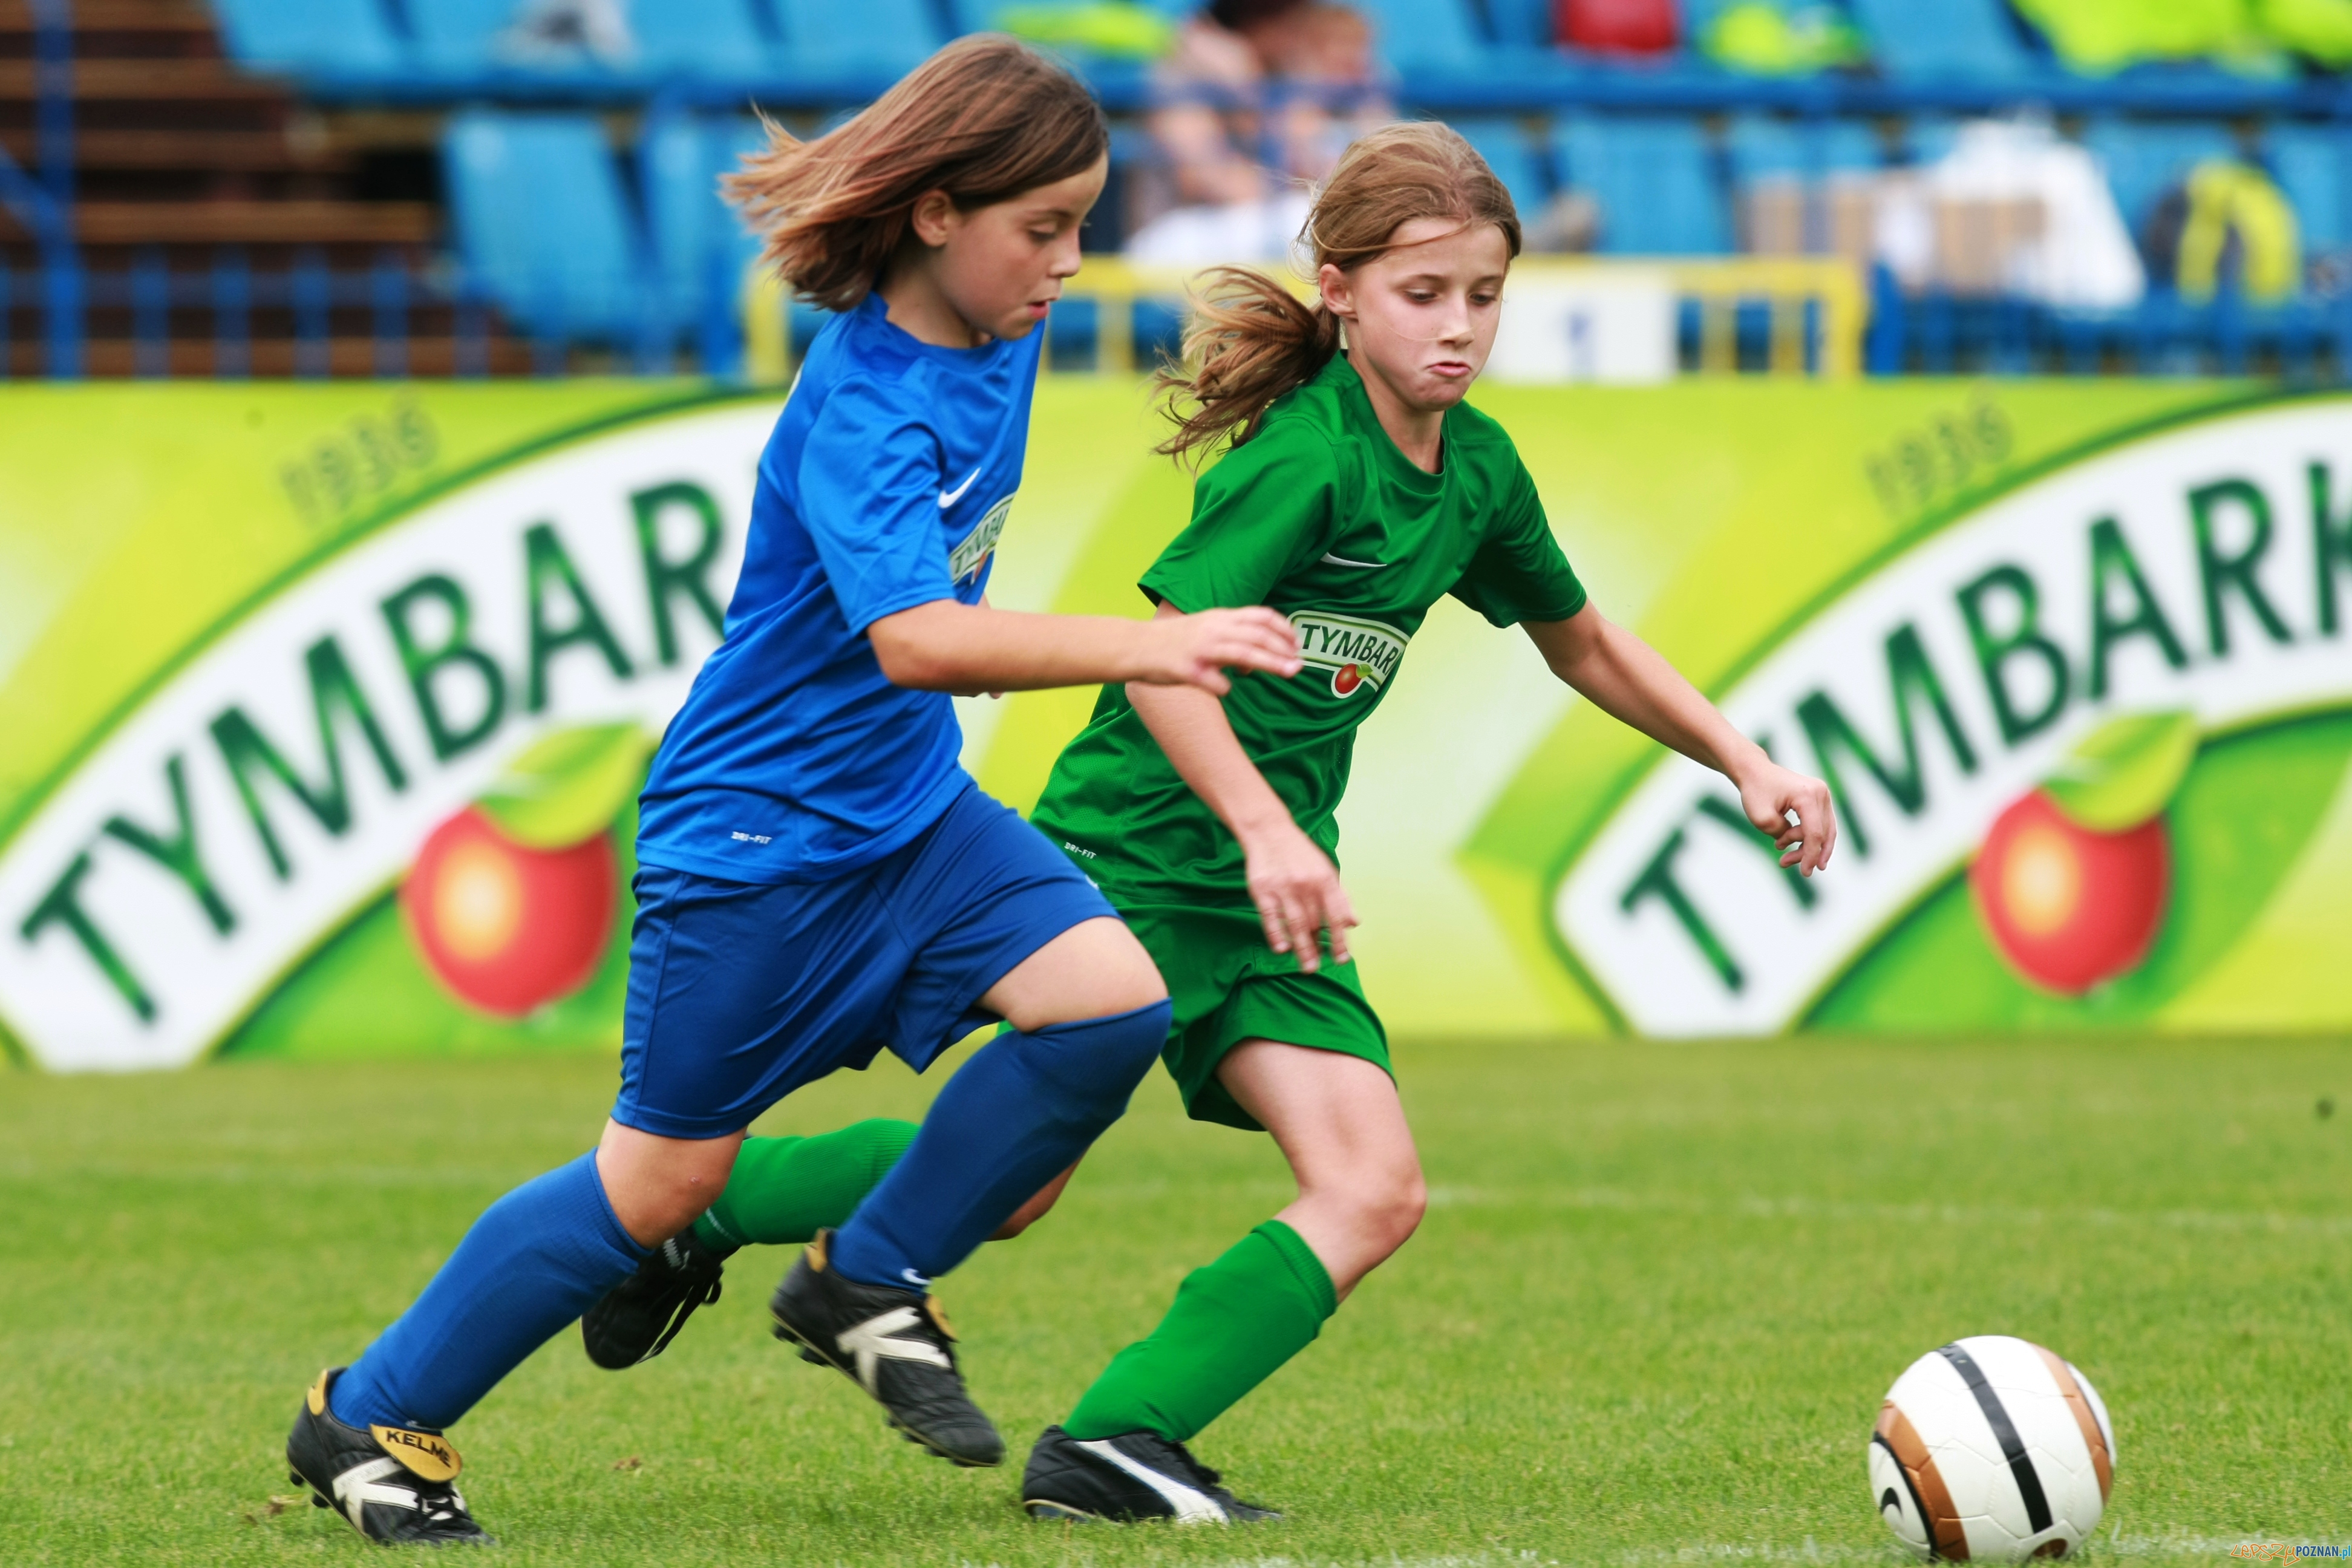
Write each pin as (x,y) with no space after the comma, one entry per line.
(568,786)
(2126,771)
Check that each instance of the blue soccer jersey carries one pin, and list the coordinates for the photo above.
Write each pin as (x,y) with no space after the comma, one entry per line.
(885,486)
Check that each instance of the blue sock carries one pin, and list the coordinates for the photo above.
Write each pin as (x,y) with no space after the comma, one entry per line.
(1017,1116)
(536,1260)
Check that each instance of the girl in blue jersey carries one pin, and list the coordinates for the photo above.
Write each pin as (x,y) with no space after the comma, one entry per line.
(820,879)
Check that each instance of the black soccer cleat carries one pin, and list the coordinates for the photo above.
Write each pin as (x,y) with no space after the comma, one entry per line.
(1132,1477)
(389,1483)
(638,1318)
(895,1344)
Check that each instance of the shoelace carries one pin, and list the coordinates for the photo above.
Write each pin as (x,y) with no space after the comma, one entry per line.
(439,1506)
(695,1296)
(1201,1472)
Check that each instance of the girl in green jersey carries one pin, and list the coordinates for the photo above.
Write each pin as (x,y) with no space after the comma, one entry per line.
(1358,490)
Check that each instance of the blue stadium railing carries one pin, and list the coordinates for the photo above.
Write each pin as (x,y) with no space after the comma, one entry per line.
(1932,335)
(2305,340)
(43,206)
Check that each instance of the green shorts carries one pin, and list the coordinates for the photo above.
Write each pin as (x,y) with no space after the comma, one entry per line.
(1228,986)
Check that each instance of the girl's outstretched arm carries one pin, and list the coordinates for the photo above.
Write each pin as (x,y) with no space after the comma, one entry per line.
(1292,881)
(1630,681)
(945,646)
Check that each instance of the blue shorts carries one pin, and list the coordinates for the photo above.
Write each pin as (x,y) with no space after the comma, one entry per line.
(739,992)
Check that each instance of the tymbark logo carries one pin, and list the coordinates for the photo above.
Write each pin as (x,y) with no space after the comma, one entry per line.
(966,559)
(1357,652)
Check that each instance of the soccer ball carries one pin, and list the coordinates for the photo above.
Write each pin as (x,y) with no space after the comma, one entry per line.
(1992,1449)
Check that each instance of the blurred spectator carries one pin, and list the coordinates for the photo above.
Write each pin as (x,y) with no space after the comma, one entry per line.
(1760,38)
(1110,29)
(2012,209)
(1616,26)
(2225,225)
(566,32)
(2254,36)
(1255,102)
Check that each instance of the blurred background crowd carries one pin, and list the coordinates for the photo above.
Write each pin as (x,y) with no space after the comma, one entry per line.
(436,186)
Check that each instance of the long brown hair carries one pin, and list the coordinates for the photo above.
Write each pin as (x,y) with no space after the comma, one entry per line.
(983,119)
(1250,340)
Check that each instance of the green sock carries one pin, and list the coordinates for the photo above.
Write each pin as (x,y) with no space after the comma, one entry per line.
(787,1189)
(1231,1326)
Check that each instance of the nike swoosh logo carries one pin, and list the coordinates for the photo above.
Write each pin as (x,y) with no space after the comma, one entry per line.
(949,498)
(1343,560)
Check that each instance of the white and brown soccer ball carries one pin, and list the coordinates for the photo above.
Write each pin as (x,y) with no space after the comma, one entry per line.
(1992,1449)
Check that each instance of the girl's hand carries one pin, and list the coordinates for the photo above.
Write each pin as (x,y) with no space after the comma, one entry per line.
(1298,893)
(1768,792)
(1197,649)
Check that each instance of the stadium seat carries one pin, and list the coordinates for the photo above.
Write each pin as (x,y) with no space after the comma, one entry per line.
(1520,23)
(699,243)
(1697,15)
(543,222)
(2143,157)
(1927,40)
(984,16)
(1766,147)
(2310,165)
(1929,138)
(1782,170)
(310,35)
(457,37)
(869,36)
(718,38)
(1503,144)
(1654,177)
(1425,35)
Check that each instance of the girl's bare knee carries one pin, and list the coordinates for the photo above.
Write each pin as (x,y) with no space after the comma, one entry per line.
(1384,1203)
(1036,1209)
(658,1186)
(1403,1202)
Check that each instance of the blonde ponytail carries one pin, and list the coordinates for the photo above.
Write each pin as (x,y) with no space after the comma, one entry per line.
(1249,341)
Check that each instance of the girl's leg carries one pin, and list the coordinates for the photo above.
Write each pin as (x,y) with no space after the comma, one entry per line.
(658,1185)
(1235,1323)
(1340,1125)
(536,1260)
(1089,1014)
(784,1191)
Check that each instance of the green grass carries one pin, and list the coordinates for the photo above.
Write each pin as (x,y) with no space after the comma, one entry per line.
(1649,1319)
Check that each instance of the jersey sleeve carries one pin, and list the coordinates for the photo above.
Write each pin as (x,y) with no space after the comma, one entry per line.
(869,478)
(1262,513)
(1520,573)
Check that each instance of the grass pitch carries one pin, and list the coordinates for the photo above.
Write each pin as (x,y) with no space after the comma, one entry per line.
(1649,1319)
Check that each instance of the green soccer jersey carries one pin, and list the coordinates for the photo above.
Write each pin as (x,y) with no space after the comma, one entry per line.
(1319,516)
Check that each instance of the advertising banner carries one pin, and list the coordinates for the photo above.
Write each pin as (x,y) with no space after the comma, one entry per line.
(322,710)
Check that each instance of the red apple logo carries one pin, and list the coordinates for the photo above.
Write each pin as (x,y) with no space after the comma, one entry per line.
(2073,879)
(507,926)
(511,902)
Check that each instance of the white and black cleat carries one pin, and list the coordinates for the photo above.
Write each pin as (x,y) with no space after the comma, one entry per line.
(1133,1477)
(895,1345)
(391,1484)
